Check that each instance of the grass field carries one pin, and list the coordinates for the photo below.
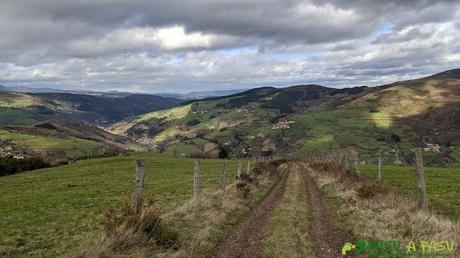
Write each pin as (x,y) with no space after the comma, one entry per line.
(442,185)
(16,100)
(48,212)
(73,147)
(15,116)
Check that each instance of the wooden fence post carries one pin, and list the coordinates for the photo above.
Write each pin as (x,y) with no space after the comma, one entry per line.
(248,170)
(196,182)
(137,201)
(380,176)
(238,172)
(420,177)
(347,163)
(356,166)
(224,177)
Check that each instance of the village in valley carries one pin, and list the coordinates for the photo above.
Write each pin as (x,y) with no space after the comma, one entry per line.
(8,151)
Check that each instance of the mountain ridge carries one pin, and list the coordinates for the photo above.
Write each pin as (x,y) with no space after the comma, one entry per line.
(305,119)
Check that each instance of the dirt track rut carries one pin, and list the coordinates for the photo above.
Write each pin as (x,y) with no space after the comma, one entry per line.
(245,239)
(328,238)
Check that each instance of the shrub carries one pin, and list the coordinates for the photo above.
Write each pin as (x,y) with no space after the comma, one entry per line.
(374,110)
(160,232)
(262,168)
(147,224)
(193,122)
(370,190)
(48,126)
(152,131)
(243,185)
(243,189)
(9,166)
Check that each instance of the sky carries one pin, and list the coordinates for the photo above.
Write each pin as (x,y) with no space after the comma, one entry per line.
(202,45)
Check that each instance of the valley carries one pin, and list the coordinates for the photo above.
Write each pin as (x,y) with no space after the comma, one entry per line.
(61,127)
(305,120)
(302,158)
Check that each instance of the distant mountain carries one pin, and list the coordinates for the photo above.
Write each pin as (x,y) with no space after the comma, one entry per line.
(110,94)
(312,119)
(201,94)
(23,108)
(109,108)
(118,94)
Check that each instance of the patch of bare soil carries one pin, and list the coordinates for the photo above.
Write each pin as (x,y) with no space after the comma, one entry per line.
(328,237)
(245,239)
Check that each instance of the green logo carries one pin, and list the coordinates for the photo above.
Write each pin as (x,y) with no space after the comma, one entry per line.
(347,247)
(376,248)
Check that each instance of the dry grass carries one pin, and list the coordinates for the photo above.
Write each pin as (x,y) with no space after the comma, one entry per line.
(203,225)
(200,222)
(200,225)
(131,235)
(387,215)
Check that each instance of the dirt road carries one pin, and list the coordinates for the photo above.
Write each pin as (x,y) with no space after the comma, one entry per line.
(245,239)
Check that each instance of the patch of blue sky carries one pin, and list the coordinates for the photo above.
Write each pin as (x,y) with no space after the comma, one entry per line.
(177,58)
(235,51)
(385,28)
(292,56)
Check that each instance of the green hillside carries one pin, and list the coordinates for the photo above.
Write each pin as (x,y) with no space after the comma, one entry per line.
(28,108)
(59,141)
(50,212)
(304,120)
(59,127)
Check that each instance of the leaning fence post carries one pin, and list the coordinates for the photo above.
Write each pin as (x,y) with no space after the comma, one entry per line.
(196,182)
(380,166)
(224,177)
(420,177)
(136,204)
(357,166)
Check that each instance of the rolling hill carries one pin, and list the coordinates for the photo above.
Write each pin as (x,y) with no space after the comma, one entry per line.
(59,127)
(312,119)
(58,141)
(22,108)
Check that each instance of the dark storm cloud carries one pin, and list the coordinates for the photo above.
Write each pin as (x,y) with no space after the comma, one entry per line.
(147,45)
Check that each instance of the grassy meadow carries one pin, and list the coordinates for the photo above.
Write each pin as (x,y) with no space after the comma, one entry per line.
(48,212)
(73,147)
(442,185)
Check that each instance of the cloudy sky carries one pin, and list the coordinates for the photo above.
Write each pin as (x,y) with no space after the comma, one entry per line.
(199,45)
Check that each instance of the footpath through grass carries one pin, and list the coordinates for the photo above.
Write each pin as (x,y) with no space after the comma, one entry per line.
(48,212)
(442,185)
